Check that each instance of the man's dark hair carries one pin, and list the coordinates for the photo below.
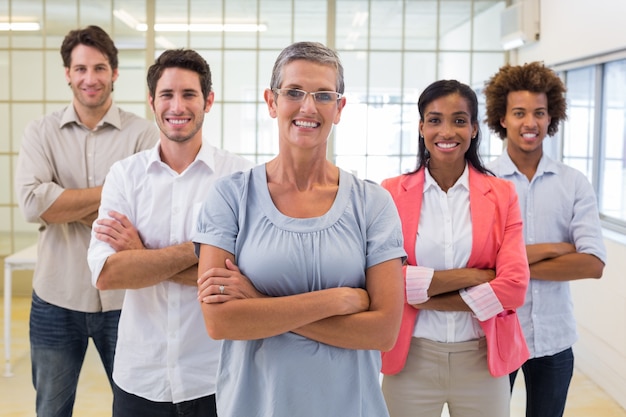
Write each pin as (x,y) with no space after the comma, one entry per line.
(180,58)
(93,36)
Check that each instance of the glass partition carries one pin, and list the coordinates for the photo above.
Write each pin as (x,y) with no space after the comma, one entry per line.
(390,51)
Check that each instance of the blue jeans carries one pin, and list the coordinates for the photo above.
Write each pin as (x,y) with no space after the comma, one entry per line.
(130,405)
(58,342)
(547,381)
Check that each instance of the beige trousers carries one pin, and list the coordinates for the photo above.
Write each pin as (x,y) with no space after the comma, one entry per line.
(453,373)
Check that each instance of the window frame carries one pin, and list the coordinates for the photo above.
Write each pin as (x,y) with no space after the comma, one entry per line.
(599,64)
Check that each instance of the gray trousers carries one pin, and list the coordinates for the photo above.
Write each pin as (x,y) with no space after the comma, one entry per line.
(453,373)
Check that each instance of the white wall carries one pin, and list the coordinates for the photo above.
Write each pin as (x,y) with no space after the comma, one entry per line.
(601,315)
(572,30)
(575,29)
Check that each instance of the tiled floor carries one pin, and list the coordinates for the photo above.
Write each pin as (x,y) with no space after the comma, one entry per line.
(94,396)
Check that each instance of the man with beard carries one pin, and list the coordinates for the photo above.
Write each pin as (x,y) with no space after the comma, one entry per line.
(165,363)
(61,167)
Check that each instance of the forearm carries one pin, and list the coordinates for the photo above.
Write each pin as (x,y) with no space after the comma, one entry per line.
(375,328)
(567,268)
(253,315)
(451,301)
(543,251)
(139,268)
(74,205)
(257,318)
(450,280)
(187,277)
(366,330)
(88,219)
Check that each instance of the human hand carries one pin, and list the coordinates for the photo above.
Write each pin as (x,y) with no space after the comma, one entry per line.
(218,285)
(89,219)
(118,232)
(353,300)
(564,248)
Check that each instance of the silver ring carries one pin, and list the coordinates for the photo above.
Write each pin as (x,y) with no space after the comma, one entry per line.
(221,289)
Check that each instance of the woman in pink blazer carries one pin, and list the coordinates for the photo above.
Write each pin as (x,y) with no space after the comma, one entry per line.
(467,271)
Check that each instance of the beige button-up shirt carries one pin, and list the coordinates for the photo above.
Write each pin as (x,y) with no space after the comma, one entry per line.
(58,153)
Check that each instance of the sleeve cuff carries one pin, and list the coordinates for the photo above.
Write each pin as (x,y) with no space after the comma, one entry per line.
(482,300)
(418,279)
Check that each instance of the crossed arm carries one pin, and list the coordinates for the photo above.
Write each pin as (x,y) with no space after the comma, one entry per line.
(133,266)
(560,262)
(350,318)
(547,261)
(445,285)
(74,205)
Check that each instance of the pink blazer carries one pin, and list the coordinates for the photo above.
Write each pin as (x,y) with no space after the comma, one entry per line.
(497,243)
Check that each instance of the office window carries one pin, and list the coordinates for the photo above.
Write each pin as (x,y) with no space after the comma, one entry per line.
(491,145)
(612,185)
(578,134)
(593,137)
(390,50)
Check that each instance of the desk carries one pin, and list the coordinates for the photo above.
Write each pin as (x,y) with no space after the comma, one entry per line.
(24,259)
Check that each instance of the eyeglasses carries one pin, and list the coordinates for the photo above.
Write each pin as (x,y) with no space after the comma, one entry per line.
(320,97)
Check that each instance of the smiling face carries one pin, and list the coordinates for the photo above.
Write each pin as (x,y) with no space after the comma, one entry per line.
(305,124)
(91,78)
(526,122)
(178,105)
(448,130)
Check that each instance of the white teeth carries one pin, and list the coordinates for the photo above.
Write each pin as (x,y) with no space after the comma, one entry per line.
(301,123)
(529,135)
(177,121)
(446,145)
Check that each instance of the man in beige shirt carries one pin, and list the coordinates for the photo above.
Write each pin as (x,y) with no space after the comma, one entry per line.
(63,160)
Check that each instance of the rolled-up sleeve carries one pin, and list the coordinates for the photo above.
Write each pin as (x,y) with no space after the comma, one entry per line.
(585,226)
(418,279)
(482,300)
(34,176)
